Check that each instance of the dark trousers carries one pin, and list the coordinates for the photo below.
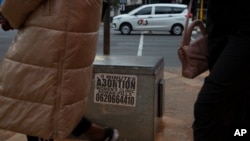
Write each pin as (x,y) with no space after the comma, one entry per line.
(80,129)
(222,105)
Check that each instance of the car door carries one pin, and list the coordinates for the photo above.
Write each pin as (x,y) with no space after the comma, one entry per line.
(143,19)
(162,17)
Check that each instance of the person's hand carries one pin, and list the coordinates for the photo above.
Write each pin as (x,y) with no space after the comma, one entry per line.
(5,24)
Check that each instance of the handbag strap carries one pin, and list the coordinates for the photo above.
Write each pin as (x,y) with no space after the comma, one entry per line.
(186,39)
(188,34)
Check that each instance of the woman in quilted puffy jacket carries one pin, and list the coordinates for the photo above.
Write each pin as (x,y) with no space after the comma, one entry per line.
(46,74)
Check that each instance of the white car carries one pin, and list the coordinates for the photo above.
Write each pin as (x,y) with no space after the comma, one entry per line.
(164,17)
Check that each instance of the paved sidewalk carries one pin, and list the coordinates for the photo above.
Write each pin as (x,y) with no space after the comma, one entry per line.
(180,94)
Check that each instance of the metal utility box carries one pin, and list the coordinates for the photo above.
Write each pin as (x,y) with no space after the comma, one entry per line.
(127,94)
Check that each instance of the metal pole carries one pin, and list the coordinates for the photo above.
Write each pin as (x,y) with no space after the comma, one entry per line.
(106,41)
(201,9)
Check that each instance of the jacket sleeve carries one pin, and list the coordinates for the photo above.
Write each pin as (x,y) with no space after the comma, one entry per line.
(16,11)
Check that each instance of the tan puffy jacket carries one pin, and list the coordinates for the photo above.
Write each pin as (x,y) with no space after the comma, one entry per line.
(45,76)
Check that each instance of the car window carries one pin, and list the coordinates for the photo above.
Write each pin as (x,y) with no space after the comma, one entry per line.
(177,10)
(144,11)
(163,10)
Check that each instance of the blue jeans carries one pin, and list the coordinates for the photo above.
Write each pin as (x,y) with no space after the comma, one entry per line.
(80,129)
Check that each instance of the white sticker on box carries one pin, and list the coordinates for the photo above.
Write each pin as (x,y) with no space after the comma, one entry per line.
(115,89)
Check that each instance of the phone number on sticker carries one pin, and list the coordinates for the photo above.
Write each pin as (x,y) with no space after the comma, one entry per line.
(115,99)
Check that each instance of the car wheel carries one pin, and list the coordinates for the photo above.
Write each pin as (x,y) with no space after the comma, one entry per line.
(125,29)
(177,29)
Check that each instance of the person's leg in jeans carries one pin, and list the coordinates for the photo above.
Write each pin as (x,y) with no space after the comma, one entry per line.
(225,92)
(92,131)
(32,138)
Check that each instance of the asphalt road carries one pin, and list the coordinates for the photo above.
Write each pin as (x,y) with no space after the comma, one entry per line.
(137,44)
(156,43)
(5,39)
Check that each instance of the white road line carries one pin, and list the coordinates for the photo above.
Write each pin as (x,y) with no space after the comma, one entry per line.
(140,47)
